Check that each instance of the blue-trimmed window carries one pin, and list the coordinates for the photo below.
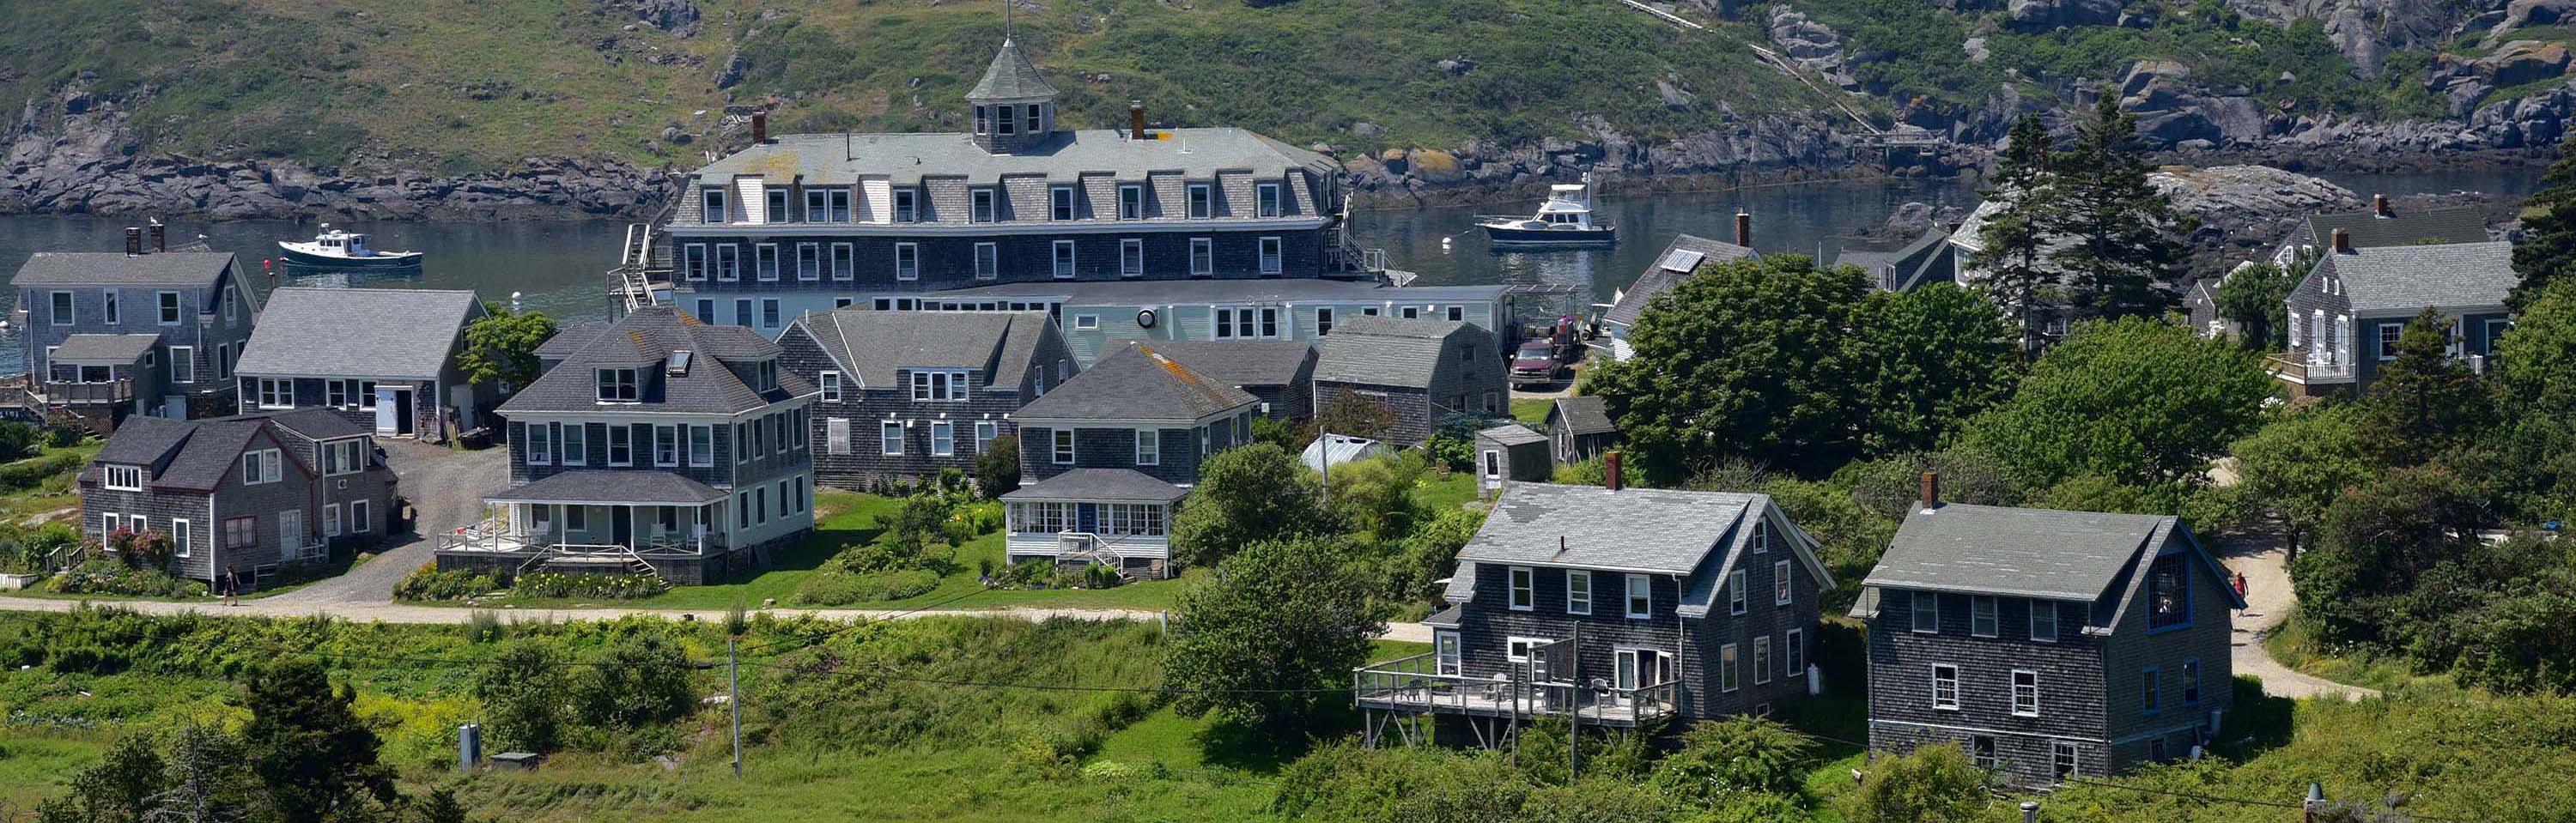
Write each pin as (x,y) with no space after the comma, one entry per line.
(2150,688)
(2168,593)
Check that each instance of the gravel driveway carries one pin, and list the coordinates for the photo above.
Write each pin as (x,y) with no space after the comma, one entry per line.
(446,487)
(2268,601)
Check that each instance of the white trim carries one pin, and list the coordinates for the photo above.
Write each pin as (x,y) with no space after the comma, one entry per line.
(2014,684)
(1520,582)
(1570,600)
(1953,704)
(1635,587)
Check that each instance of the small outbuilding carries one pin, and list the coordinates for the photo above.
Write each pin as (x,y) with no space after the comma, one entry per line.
(1581,428)
(384,358)
(1511,452)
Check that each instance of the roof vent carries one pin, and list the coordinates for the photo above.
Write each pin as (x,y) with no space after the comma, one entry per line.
(679,363)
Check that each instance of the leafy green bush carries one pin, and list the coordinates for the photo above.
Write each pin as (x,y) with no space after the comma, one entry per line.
(107,575)
(18,440)
(28,474)
(430,584)
(997,469)
(609,586)
(845,588)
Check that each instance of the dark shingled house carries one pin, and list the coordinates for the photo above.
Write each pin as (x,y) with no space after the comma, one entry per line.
(232,493)
(383,358)
(662,446)
(1679,259)
(2346,316)
(1106,456)
(1280,372)
(2384,224)
(1626,605)
(906,394)
(107,335)
(1427,372)
(2049,644)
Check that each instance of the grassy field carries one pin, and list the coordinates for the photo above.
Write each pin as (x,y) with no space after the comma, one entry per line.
(2295,645)
(52,495)
(1532,410)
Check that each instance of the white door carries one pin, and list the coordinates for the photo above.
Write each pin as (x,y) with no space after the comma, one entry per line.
(290,534)
(384,410)
(175,407)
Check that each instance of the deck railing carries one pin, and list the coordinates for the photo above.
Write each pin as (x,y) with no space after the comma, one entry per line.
(72,391)
(494,537)
(2294,366)
(1415,683)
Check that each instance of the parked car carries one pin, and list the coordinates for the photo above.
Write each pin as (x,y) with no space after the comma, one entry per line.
(1534,364)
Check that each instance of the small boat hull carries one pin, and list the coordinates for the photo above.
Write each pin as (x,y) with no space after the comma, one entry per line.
(1507,236)
(379,260)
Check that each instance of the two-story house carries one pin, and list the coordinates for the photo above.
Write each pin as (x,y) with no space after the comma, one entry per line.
(356,500)
(2048,644)
(663,446)
(2346,317)
(2384,224)
(234,493)
(903,395)
(1680,258)
(1618,605)
(1106,456)
(383,358)
(1280,372)
(1428,373)
(111,334)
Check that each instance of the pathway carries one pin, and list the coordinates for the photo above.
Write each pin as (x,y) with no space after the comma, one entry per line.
(2268,601)
(445,487)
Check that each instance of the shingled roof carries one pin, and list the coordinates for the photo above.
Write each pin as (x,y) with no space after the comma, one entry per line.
(387,334)
(101,268)
(1243,362)
(1136,383)
(1094,485)
(1585,414)
(1684,255)
(872,345)
(2406,279)
(2044,553)
(647,339)
(96,349)
(1641,530)
(1011,77)
(2370,229)
(1384,351)
(186,454)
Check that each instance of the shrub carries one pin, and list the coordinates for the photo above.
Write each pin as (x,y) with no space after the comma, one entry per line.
(103,575)
(64,435)
(997,470)
(430,584)
(842,589)
(636,682)
(18,440)
(609,586)
(28,474)
(1722,758)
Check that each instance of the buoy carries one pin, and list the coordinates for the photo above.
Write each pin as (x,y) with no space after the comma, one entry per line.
(514,297)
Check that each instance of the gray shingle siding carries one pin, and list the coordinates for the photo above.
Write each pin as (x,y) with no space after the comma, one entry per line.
(202,327)
(1115,448)
(948,261)
(867,408)
(1412,408)
(294,491)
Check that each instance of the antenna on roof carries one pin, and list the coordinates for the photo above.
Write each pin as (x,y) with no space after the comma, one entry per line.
(1006,21)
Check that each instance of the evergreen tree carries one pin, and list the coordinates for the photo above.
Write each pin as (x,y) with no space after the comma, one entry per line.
(2256,299)
(2424,402)
(2120,254)
(2547,250)
(2013,245)
(305,743)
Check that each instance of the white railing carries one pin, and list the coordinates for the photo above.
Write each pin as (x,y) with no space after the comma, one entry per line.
(1415,683)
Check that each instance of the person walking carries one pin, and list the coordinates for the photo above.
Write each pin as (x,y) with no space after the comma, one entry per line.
(229,585)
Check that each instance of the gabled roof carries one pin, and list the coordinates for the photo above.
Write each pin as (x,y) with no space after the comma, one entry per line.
(104,349)
(873,345)
(1244,362)
(349,332)
(1585,414)
(1660,531)
(1011,77)
(2369,229)
(2408,278)
(1099,485)
(1136,383)
(1384,351)
(1997,550)
(619,487)
(190,454)
(1681,257)
(100,268)
(647,339)
(1513,434)
(569,338)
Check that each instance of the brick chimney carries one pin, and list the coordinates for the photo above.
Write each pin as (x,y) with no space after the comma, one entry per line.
(133,241)
(2342,242)
(1610,470)
(1743,229)
(2379,205)
(1931,490)
(1136,119)
(160,236)
(760,127)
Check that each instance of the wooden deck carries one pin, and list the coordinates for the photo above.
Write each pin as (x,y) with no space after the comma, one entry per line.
(1412,685)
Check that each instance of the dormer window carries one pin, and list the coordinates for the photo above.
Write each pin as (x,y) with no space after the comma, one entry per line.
(1202,200)
(777,212)
(1061,199)
(904,210)
(618,386)
(715,204)
(768,375)
(980,205)
(1037,118)
(938,385)
(121,478)
(1266,198)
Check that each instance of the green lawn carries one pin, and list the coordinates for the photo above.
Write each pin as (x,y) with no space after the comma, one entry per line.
(1532,410)
(54,493)
(2295,645)
(33,765)
(1443,494)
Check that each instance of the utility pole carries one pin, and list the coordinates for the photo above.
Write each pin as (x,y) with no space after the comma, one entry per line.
(733,698)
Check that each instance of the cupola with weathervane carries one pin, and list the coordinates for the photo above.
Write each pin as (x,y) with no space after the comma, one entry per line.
(1014,106)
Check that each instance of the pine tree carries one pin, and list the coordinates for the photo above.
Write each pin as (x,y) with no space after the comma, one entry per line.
(2122,256)
(308,748)
(2013,245)
(2424,401)
(2547,250)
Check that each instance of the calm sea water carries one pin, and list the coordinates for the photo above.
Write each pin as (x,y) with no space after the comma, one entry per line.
(556,267)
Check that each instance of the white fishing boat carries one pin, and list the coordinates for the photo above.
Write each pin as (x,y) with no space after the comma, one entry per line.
(335,248)
(1564,220)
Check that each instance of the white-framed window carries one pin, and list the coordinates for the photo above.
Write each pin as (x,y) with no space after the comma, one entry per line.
(1793,652)
(1761,534)
(1269,255)
(702,445)
(816,209)
(778,432)
(576,443)
(728,262)
(1641,596)
(943,438)
(985,431)
(1517,649)
(1063,442)
(344,457)
(809,262)
(169,305)
(1202,256)
(1762,659)
(906,208)
(1149,447)
(1927,612)
(836,435)
(108,524)
(1984,617)
(830,383)
(844,266)
(666,444)
(1782,585)
(1578,591)
(2389,334)
(276,393)
(1131,257)
(1202,200)
(183,364)
(693,261)
(1524,588)
(540,448)
(1445,652)
(907,261)
(765,262)
(2063,758)
(1945,687)
(988,261)
(330,520)
(1086,322)
(1265,198)
(1458,314)
(979,205)
(938,385)
(1493,464)
(65,309)
(335,393)
(712,200)
(1060,202)
(261,466)
(840,201)
(121,478)
(183,535)
(1131,201)
(2043,621)
(1730,668)
(2025,693)
(777,199)
(769,318)
(621,444)
(1063,259)
(890,437)
(742,315)
(618,386)
(1735,600)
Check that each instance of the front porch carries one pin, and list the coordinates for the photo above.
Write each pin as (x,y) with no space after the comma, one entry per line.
(663,529)
(1114,517)
(1395,696)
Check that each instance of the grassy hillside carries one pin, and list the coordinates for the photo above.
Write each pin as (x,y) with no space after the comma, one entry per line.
(455,86)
